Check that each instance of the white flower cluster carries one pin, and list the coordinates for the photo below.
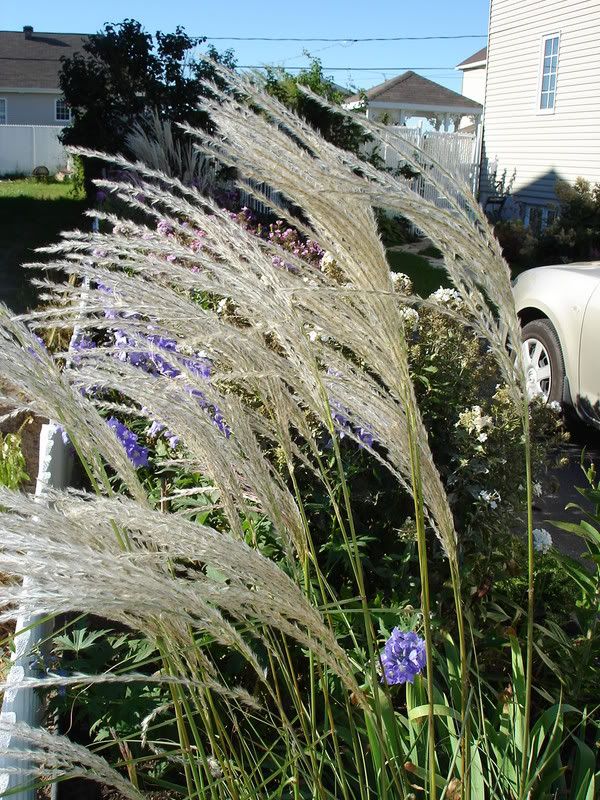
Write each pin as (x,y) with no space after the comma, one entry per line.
(316,334)
(490,498)
(409,316)
(542,540)
(474,421)
(447,297)
(327,260)
(402,283)
(555,406)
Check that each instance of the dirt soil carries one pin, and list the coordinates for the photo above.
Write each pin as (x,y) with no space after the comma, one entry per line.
(30,439)
(30,427)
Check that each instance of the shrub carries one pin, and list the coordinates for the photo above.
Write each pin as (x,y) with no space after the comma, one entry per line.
(394,229)
(122,75)
(518,243)
(574,234)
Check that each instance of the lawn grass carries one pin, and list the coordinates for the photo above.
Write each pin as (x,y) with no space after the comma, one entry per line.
(32,215)
(425,277)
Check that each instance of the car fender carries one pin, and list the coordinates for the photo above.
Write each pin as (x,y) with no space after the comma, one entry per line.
(563,302)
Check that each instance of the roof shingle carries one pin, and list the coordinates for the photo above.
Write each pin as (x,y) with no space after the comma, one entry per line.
(480,55)
(34,63)
(416,90)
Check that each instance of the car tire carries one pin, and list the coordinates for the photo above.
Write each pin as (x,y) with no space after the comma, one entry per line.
(543,361)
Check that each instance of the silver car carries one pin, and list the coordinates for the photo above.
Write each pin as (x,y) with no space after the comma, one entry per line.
(559,309)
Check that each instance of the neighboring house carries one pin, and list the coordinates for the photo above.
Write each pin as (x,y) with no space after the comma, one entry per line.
(473,78)
(473,81)
(29,68)
(542,110)
(410,95)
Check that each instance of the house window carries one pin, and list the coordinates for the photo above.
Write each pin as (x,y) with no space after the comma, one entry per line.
(2,111)
(62,111)
(538,218)
(549,71)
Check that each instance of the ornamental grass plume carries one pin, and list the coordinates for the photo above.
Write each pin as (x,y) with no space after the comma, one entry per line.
(40,754)
(147,291)
(77,562)
(154,144)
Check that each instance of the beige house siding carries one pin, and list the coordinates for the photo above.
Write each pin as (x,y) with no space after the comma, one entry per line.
(473,87)
(31,108)
(542,147)
(473,84)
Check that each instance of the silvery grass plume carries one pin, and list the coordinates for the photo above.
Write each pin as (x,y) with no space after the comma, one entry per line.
(281,306)
(270,349)
(46,756)
(316,171)
(76,563)
(153,143)
(38,384)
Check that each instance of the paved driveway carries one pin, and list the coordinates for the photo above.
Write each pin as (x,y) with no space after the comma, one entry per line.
(552,506)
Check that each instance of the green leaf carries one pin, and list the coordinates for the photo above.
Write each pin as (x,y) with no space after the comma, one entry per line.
(582,529)
(439,710)
(583,780)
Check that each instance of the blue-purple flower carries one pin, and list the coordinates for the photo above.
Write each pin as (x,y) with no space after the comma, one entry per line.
(136,453)
(343,425)
(157,429)
(403,657)
(200,367)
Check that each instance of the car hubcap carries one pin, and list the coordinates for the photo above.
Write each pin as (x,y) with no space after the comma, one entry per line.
(536,363)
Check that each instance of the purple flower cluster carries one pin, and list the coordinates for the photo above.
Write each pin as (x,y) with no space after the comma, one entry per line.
(136,453)
(343,425)
(42,345)
(191,236)
(403,657)
(80,342)
(289,239)
(284,236)
(171,366)
(154,362)
(157,429)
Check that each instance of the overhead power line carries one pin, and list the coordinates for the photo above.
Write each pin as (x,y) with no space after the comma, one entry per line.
(352,39)
(346,69)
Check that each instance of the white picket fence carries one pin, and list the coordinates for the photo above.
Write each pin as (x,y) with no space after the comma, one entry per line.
(248,199)
(25,147)
(447,157)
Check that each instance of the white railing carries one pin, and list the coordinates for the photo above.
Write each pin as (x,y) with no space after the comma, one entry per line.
(455,153)
(25,147)
(248,199)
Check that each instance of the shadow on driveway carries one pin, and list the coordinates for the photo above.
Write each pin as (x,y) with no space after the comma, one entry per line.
(569,477)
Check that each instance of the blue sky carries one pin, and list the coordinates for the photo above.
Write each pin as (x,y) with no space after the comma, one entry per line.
(328,18)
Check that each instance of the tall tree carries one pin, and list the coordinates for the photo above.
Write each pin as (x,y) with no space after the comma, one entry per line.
(333,126)
(125,74)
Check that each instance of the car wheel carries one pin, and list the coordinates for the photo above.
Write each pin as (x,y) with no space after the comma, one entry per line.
(543,361)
